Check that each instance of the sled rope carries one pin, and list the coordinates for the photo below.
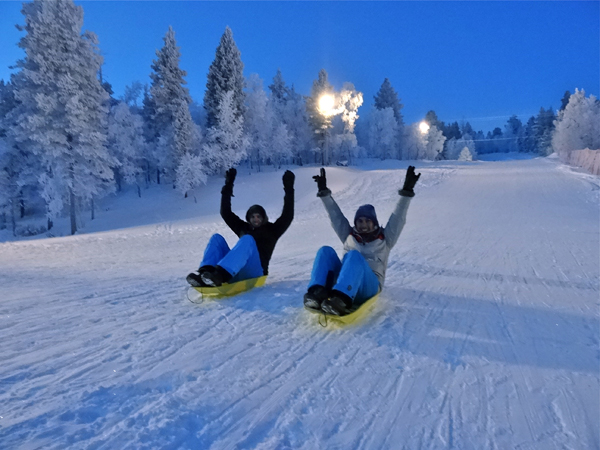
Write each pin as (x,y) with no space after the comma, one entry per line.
(324,316)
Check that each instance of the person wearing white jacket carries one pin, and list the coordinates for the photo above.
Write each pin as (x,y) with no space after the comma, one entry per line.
(336,287)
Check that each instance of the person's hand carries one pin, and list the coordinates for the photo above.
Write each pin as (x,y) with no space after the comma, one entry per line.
(288,180)
(409,182)
(230,176)
(321,180)
(229,179)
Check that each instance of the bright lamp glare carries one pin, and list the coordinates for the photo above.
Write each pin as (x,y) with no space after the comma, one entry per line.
(326,103)
(424,127)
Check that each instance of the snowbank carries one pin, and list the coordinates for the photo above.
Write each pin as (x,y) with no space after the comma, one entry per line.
(586,159)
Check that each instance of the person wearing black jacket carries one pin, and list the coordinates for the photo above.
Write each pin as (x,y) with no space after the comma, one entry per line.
(250,257)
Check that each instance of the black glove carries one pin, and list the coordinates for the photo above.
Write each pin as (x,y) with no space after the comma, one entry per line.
(409,182)
(322,184)
(288,180)
(229,179)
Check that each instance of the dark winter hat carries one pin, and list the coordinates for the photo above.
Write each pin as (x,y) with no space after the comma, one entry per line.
(254,209)
(367,211)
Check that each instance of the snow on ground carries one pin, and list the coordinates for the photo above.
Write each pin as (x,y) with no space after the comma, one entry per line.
(486,335)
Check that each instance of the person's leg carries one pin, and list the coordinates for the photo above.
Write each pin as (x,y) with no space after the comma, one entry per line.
(356,279)
(355,284)
(243,261)
(326,267)
(215,250)
(324,273)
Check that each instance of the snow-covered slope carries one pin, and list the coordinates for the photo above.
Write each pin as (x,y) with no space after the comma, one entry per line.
(486,335)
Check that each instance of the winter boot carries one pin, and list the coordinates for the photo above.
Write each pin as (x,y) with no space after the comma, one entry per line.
(315,296)
(195,278)
(215,278)
(338,304)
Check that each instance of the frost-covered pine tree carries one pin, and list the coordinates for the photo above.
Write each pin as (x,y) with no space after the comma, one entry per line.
(126,143)
(176,133)
(454,147)
(226,74)
(426,146)
(226,142)
(298,127)
(190,173)
(577,127)
(383,134)
(258,121)
(387,97)
(349,100)
(61,113)
(319,120)
(465,155)
(544,128)
(279,94)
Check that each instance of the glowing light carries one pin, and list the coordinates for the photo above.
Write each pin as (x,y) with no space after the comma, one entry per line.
(424,127)
(326,104)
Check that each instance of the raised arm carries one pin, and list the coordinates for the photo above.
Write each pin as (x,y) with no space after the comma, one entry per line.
(231,219)
(287,215)
(398,218)
(340,224)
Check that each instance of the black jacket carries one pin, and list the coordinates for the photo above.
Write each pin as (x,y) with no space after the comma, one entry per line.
(266,235)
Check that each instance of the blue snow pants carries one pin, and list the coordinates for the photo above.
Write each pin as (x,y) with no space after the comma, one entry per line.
(352,275)
(242,261)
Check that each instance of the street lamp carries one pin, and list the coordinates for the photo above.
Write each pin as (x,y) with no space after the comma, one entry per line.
(424,127)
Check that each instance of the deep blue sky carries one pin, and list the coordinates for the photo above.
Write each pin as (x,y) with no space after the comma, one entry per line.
(474,61)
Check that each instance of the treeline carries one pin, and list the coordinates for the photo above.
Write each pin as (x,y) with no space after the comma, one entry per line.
(66,141)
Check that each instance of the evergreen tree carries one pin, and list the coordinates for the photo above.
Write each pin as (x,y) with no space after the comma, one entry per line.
(297,123)
(279,93)
(577,127)
(258,120)
(529,140)
(383,133)
(565,100)
(513,134)
(319,120)
(226,143)
(126,142)
(226,74)
(543,131)
(61,113)
(432,120)
(177,134)
(387,97)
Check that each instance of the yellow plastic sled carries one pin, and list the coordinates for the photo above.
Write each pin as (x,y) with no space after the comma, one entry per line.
(354,316)
(229,289)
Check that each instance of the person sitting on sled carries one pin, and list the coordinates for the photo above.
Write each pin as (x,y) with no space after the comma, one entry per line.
(250,256)
(336,287)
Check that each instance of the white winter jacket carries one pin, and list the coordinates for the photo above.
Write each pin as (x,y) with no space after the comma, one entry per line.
(376,252)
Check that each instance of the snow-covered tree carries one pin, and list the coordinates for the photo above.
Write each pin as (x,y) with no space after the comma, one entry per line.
(177,134)
(420,145)
(383,133)
(454,147)
(577,127)
(258,120)
(226,143)
(226,74)
(465,155)
(190,173)
(543,132)
(126,142)
(61,112)
(319,120)
(387,97)
(132,93)
(298,127)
